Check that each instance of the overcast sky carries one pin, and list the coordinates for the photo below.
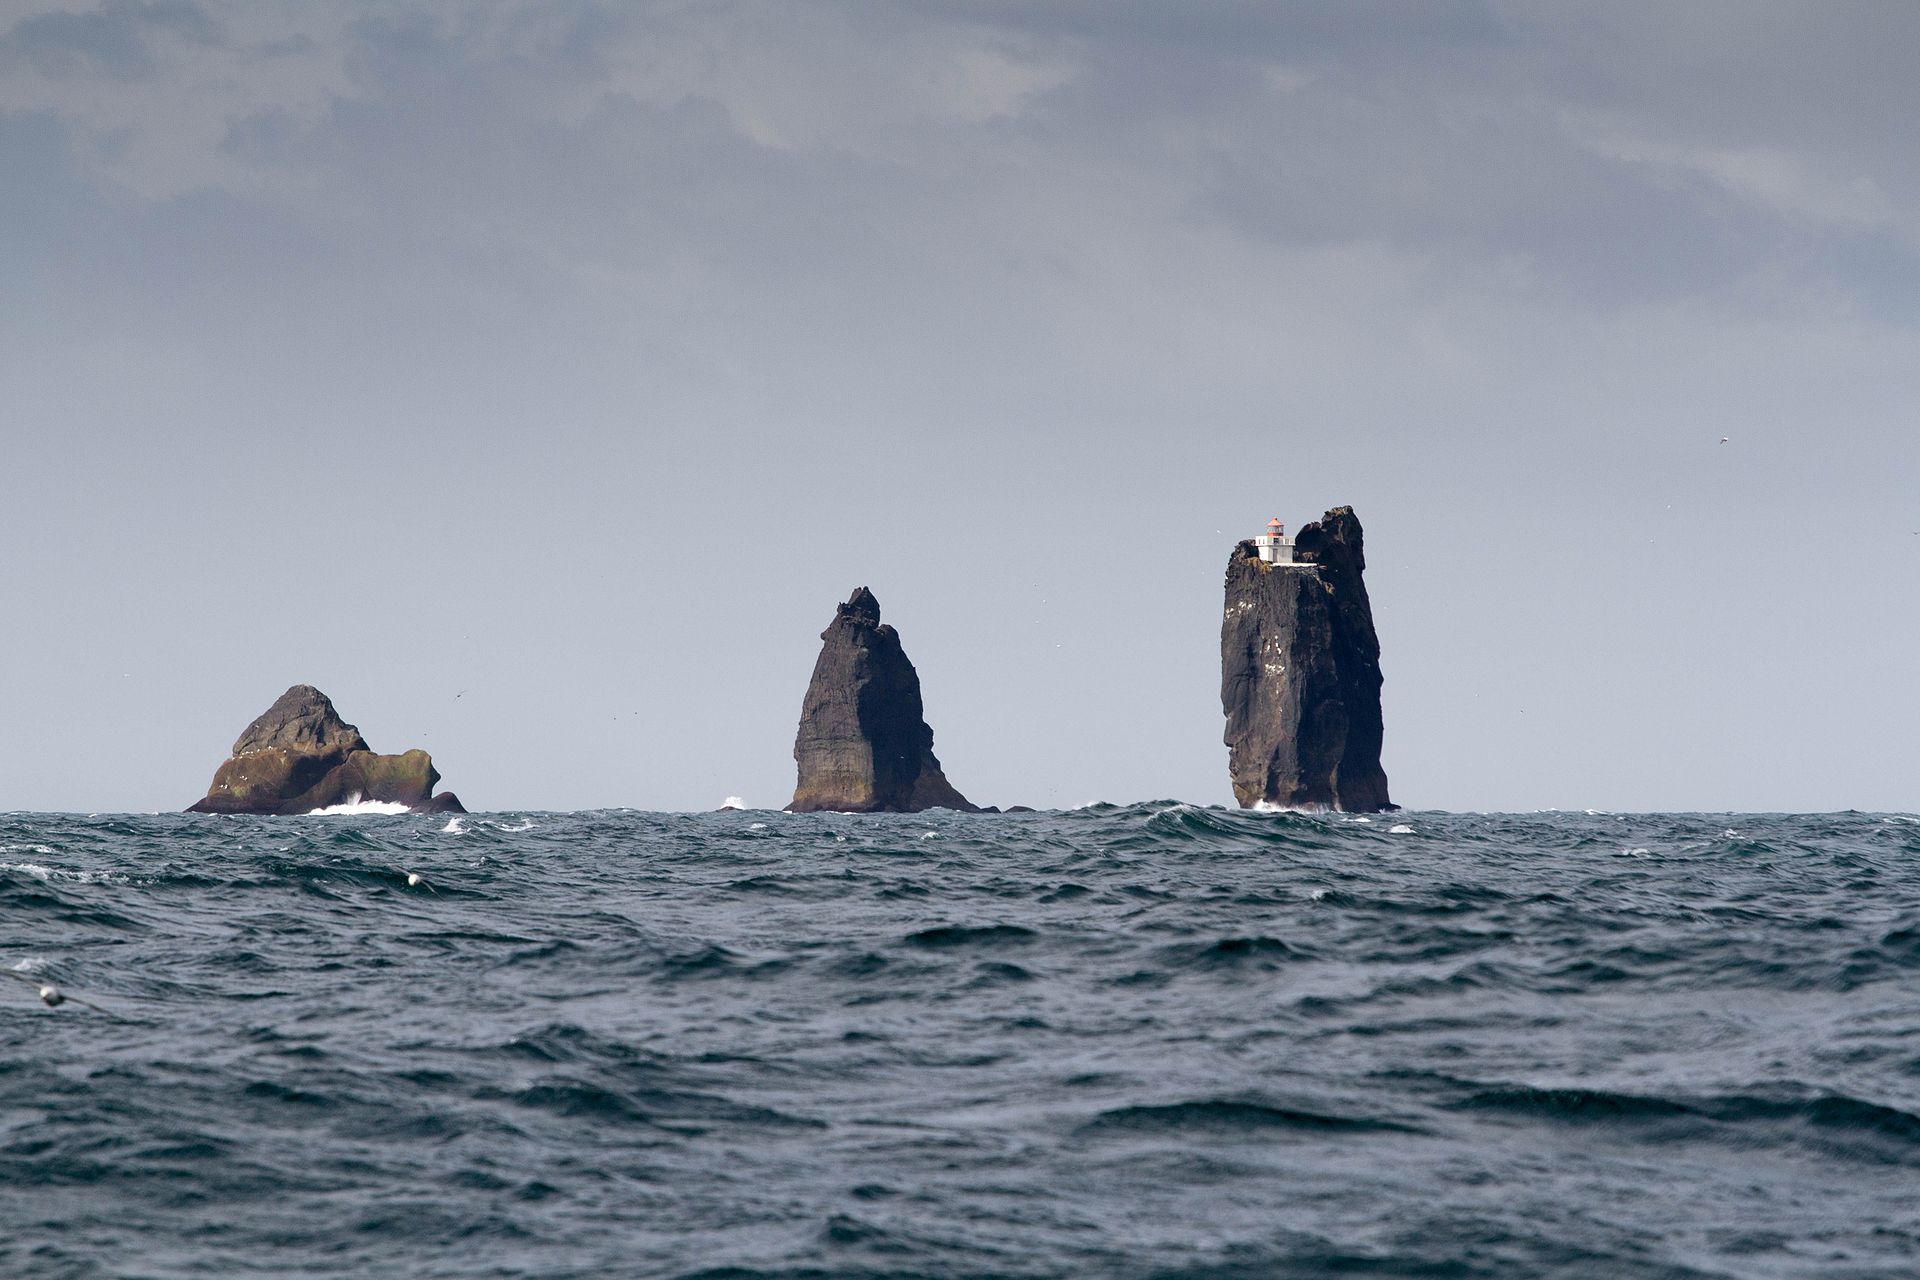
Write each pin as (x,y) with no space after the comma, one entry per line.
(534,378)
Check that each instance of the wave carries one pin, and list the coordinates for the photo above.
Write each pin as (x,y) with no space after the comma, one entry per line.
(1147,1040)
(1235,1116)
(46,875)
(1574,1105)
(355,805)
(1825,1114)
(1256,951)
(953,935)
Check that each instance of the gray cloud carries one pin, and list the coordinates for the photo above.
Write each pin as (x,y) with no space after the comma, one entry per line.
(115,39)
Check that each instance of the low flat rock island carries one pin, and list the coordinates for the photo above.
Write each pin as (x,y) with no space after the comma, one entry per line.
(864,744)
(300,756)
(1300,671)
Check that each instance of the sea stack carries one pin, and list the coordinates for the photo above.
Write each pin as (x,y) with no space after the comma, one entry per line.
(1300,671)
(864,744)
(300,756)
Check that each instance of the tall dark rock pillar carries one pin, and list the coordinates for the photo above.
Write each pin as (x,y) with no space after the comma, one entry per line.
(1300,674)
(864,744)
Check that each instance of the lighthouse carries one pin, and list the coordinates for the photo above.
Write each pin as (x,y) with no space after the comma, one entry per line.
(1274,546)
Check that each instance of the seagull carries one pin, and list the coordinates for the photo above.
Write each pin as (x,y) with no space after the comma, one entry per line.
(53,997)
(1723,439)
(415,880)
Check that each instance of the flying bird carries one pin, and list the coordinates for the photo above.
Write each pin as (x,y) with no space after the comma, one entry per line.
(53,997)
(1723,439)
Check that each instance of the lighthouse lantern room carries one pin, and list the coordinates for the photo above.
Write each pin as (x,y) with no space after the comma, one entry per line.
(1274,546)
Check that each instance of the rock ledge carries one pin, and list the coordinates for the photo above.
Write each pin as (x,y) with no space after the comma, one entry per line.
(299,755)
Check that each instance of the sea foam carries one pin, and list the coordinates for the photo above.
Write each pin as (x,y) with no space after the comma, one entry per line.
(355,805)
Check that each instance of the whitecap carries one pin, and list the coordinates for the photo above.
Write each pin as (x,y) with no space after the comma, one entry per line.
(1268,806)
(355,805)
(733,802)
(756,826)
(1400,829)
(454,826)
(929,835)
(526,825)
(49,874)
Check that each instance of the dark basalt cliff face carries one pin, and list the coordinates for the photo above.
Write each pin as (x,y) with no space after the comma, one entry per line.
(300,756)
(864,744)
(1300,674)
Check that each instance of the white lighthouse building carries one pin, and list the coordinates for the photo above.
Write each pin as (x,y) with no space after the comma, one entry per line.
(1274,546)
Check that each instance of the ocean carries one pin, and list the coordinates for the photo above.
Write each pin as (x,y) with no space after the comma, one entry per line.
(1155,1040)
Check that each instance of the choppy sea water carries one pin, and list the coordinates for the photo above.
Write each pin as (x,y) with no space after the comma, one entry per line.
(1154,1040)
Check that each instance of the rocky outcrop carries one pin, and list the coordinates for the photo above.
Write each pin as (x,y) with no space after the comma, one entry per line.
(864,745)
(300,756)
(1300,674)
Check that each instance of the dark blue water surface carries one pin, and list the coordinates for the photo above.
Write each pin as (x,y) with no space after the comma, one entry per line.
(1156,1040)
